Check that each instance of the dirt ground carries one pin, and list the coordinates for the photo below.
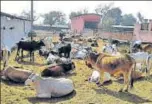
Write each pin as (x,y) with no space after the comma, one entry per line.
(85,92)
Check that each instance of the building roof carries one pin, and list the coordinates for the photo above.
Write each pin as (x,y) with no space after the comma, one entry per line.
(12,16)
(86,14)
(121,26)
(55,26)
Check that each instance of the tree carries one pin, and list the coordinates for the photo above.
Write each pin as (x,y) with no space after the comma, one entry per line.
(54,17)
(73,14)
(140,17)
(128,20)
(110,16)
(27,15)
(107,24)
(115,13)
(83,11)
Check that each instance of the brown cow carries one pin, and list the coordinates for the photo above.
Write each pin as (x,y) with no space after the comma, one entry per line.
(147,48)
(114,65)
(17,75)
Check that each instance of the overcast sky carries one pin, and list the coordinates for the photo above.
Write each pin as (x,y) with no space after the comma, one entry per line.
(41,7)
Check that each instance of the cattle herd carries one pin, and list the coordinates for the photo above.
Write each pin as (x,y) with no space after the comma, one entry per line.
(59,61)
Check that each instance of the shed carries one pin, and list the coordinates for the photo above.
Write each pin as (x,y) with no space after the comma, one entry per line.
(85,21)
(13,28)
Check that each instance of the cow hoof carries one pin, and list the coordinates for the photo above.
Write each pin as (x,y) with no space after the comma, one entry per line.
(120,90)
(126,90)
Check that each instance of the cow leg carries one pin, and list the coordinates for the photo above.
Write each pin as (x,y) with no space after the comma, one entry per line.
(22,55)
(17,54)
(30,56)
(33,56)
(68,54)
(101,78)
(60,54)
(127,79)
(126,82)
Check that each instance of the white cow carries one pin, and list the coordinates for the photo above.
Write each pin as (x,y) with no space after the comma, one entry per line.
(111,49)
(50,87)
(143,58)
(95,77)
(52,58)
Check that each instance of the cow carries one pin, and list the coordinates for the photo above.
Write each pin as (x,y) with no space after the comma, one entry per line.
(114,65)
(66,49)
(58,70)
(29,46)
(50,87)
(15,74)
(143,58)
(111,49)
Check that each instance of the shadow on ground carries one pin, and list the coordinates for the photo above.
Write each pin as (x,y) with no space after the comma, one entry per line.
(30,63)
(34,100)
(132,98)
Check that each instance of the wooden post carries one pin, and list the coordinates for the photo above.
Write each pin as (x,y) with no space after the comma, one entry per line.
(31,19)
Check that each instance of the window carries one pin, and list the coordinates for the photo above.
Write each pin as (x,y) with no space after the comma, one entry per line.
(144,26)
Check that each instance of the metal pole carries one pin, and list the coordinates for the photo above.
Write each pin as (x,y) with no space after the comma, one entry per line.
(31,18)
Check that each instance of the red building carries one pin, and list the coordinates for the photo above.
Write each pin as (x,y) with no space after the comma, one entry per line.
(85,21)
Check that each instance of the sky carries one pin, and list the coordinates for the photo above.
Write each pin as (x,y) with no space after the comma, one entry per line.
(42,7)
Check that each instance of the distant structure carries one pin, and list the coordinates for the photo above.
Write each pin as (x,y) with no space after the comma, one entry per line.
(83,22)
(141,31)
(52,28)
(13,28)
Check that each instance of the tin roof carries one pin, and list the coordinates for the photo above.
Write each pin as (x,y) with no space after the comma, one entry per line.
(12,16)
(86,14)
(121,26)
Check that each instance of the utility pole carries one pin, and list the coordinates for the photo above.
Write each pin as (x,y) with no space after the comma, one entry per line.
(31,19)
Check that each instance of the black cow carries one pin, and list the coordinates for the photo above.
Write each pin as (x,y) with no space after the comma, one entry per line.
(58,70)
(29,46)
(66,49)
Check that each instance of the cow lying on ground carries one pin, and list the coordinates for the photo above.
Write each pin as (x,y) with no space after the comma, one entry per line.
(114,65)
(94,44)
(44,52)
(50,87)
(95,77)
(56,59)
(17,75)
(58,70)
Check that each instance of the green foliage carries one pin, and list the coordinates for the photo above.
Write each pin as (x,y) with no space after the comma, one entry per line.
(83,11)
(54,17)
(115,13)
(27,15)
(103,9)
(107,23)
(110,16)
(128,20)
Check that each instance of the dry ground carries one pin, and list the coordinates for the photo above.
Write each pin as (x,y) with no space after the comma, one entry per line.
(85,93)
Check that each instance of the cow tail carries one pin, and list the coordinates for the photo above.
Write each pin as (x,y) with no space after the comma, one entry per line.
(132,74)
(148,64)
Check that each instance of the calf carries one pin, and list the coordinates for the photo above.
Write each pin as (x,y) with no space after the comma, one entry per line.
(66,50)
(58,70)
(30,46)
